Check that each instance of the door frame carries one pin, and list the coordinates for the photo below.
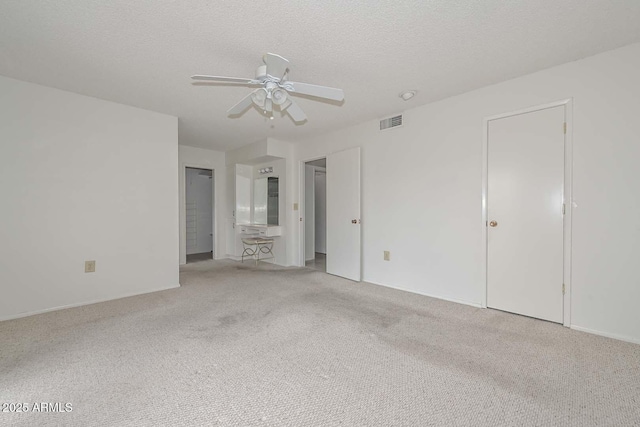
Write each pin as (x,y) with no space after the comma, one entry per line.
(301,208)
(183,208)
(567,198)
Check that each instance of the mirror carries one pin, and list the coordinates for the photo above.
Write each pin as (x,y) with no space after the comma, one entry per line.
(266,201)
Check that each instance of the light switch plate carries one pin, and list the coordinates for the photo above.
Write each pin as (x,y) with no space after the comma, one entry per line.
(387,256)
(295,206)
(89,266)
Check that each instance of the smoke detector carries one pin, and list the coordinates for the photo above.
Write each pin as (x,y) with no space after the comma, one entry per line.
(408,94)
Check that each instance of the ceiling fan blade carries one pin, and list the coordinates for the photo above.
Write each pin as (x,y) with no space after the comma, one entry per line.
(295,111)
(241,106)
(317,91)
(276,65)
(222,79)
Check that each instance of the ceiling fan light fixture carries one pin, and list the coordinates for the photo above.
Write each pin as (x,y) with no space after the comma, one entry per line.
(408,94)
(259,96)
(285,104)
(279,96)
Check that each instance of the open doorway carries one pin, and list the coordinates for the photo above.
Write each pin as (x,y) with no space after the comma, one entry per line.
(316,214)
(343,229)
(199,214)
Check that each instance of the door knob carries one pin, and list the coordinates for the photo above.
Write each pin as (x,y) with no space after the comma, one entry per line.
(493,223)
(354,221)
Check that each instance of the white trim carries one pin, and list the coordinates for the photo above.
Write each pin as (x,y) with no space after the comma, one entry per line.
(568,201)
(606,334)
(568,174)
(528,110)
(182,209)
(301,215)
(484,217)
(457,301)
(80,304)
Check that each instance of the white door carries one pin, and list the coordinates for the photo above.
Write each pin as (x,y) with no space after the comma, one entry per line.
(343,214)
(525,213)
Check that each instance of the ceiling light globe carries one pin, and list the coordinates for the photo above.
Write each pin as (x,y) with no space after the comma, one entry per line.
(279,96)
(259,96)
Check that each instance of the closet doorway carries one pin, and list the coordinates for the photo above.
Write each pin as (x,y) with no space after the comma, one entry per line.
(199,214)
(527,211)
(341,233)
(315,209)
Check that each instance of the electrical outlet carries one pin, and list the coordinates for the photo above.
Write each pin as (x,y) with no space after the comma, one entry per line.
(89,266)
(387,256)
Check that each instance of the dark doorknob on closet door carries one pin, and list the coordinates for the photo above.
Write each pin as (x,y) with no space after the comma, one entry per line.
(354,221)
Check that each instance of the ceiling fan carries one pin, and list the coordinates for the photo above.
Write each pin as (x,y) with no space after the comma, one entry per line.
(275,89)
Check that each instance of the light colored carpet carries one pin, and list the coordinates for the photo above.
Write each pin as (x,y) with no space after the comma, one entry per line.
(199,257)
(318,263)
(244,346)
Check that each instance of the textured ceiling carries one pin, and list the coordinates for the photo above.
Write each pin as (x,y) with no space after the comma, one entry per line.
(142,52)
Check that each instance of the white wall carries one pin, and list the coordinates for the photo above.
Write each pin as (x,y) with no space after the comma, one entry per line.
(199,195)
(422,186)
(83,179)
(205,159)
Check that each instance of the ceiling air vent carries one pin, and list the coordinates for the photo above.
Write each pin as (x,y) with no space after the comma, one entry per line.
(391,122)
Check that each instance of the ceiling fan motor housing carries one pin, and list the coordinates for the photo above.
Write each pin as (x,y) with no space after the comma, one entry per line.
(261,72)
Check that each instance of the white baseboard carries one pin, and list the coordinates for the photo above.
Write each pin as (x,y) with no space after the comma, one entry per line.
(606,334)
(477,305)
(457,301)
(80,304)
